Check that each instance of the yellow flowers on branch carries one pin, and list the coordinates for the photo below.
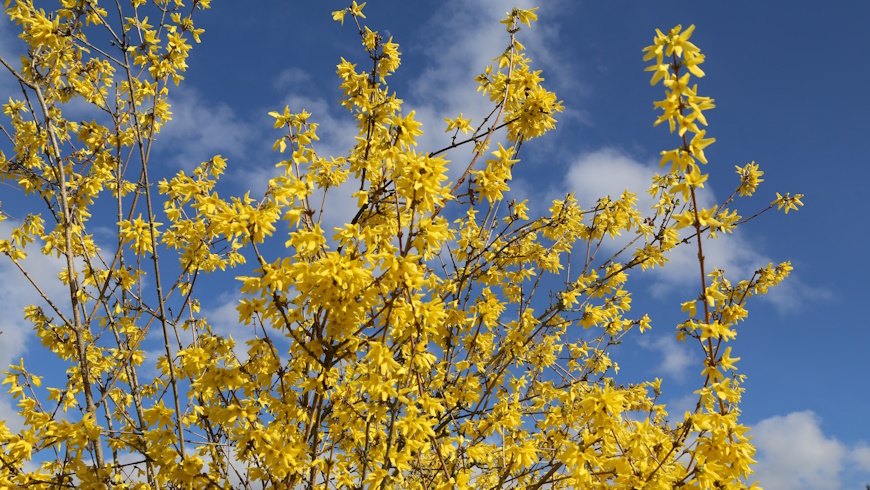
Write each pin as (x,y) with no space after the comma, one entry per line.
(410,347)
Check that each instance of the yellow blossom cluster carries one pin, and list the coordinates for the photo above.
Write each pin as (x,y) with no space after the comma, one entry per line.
(410,347)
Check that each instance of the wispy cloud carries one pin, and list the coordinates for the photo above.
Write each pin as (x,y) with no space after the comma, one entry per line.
(461,40)
(677,360)
(609,172)
(10,418)
(293,79)
(17,293)
(860,456)
(794,453)
(456,45)
(223,318)
(200,129)
(336,131)
(677,407)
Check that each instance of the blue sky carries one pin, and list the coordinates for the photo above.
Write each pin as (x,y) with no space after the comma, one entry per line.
(789,80)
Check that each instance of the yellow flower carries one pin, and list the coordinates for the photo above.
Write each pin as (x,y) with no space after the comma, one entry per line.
(459,124)
(788,201)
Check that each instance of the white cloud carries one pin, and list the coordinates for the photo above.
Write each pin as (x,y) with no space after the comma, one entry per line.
(609,171)
(200,129)
(9,416)
(794,294)
(223,318)
(794,453)
(336,131)
(460,41)
(17,293)
(457,44)
(292,78)
(677,358)
(677,407)
(860,456)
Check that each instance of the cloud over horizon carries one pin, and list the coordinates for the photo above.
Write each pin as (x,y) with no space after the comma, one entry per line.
(794,453)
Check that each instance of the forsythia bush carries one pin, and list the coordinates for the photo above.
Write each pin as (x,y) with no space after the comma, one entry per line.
(405,349)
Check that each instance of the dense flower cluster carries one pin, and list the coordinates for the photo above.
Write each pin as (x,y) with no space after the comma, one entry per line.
(404,349)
